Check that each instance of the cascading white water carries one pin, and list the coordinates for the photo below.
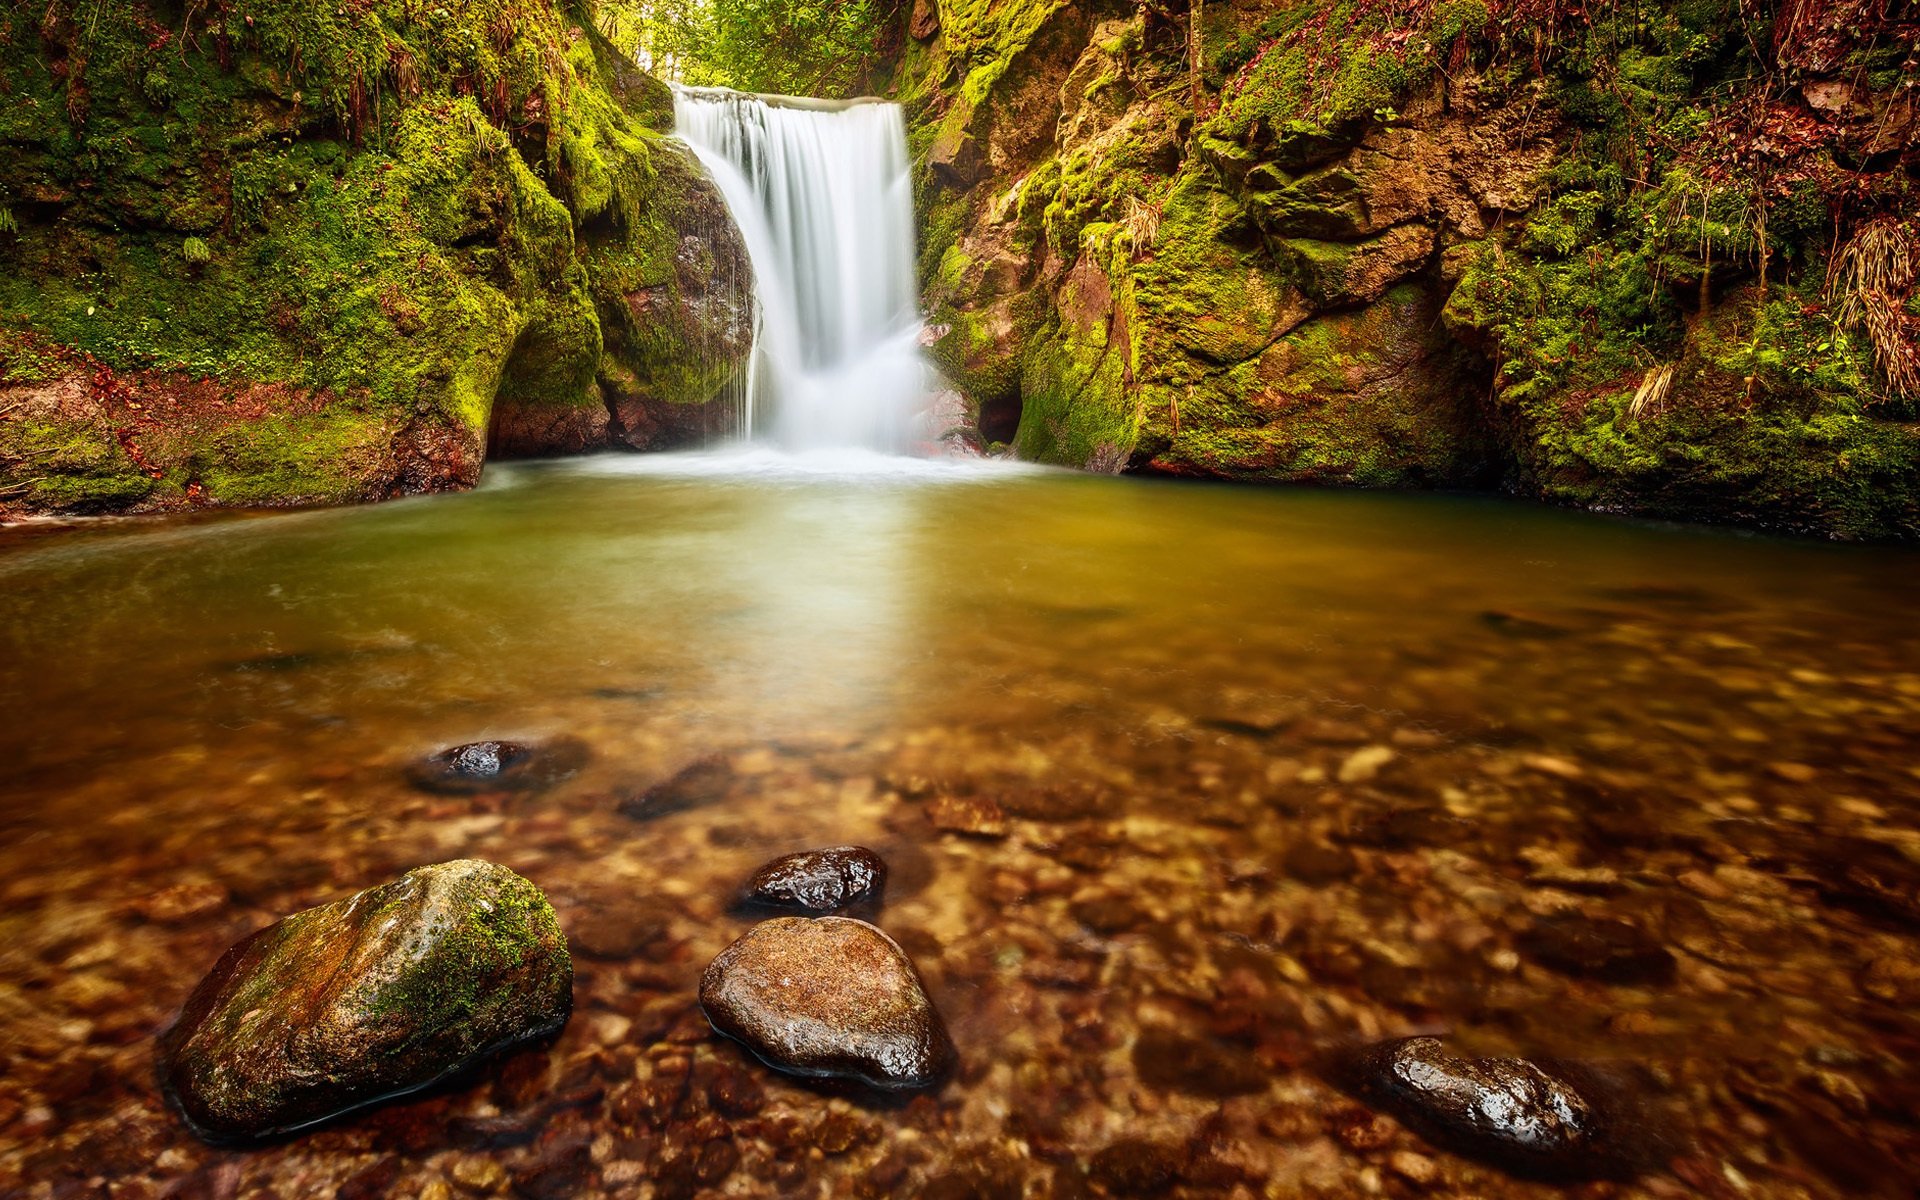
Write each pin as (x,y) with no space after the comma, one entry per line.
(822,196)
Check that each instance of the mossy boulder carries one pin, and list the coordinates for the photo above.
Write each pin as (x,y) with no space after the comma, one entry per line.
(385,992)
(291,253)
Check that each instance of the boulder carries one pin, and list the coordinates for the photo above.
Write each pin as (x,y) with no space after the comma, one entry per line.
(819,880)
(385,992)
(828,997)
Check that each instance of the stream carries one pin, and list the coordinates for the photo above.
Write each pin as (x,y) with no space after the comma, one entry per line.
(1179,786)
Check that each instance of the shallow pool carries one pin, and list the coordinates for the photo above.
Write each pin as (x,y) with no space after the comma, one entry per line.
(1180,787)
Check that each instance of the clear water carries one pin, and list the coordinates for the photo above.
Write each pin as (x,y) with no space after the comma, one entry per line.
(1277,769)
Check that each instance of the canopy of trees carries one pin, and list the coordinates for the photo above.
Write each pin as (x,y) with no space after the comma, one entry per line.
(796,47)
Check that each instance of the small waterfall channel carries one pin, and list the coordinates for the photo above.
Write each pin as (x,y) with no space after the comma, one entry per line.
(822,196)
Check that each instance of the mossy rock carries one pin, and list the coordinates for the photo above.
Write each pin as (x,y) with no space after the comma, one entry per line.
(316,248)
(369,997)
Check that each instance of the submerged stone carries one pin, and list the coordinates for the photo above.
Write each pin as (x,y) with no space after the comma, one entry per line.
(702,782)
(828,996)
(1196,1064)
(819,880)
(493,766)
(1507,1110)
(976,816)
(1609,950)
(384,992)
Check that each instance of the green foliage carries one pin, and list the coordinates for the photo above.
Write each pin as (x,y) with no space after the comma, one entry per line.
(195,250)
(792,47)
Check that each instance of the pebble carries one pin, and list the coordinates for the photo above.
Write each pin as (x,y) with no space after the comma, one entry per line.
(977,816)
(1365,763)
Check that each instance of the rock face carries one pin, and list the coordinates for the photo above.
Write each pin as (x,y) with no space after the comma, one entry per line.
(829,996)
(312,299)
(819,881)
(384,992)
(1507,1110)
(1345,271)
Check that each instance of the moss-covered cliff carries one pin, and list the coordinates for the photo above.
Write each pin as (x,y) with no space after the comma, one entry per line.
(1654,259)
(279,251)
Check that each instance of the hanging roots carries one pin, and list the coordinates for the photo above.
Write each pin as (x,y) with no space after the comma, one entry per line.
(1869,283)
(1652,393)
(1142,225)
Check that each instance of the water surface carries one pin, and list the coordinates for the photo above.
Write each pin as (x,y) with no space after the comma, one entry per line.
(1273,769)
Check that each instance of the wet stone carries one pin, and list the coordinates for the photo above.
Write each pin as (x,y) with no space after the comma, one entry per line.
(1199,1066)
(493,766)
(1865,876)
(382,993)
(819,880)
(1137,1167)
(828,997)
(977,816)
(700,783)
(1506,1110)
(1605,949)
(1055,802)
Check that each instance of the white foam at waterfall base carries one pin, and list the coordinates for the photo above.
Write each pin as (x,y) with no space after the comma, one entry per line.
(823,199)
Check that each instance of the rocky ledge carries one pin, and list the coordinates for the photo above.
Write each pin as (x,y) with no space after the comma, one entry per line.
(384,992)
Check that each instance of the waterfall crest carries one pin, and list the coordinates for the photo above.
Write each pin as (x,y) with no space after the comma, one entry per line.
(823,197)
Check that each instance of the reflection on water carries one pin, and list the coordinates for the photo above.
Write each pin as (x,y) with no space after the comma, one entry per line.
(1179,786)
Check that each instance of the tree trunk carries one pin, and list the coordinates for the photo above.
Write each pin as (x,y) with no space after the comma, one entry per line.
(1193,60)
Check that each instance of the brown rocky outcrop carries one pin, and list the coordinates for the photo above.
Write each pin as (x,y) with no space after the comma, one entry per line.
(1348,265)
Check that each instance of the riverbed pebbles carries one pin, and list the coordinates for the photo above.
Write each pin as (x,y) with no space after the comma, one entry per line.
(1199,890)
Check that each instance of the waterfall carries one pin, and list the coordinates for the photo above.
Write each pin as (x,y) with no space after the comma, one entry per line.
(822,196)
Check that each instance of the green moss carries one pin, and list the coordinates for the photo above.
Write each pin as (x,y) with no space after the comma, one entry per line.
(1207,289)
(1078,380)
(68,467)
(358,219)
(1368,397)
(500,924)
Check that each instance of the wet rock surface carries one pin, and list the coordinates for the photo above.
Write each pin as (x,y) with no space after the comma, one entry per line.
(831,997)
(384,992)
(498,766)
(819,881)
(1507,1110)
